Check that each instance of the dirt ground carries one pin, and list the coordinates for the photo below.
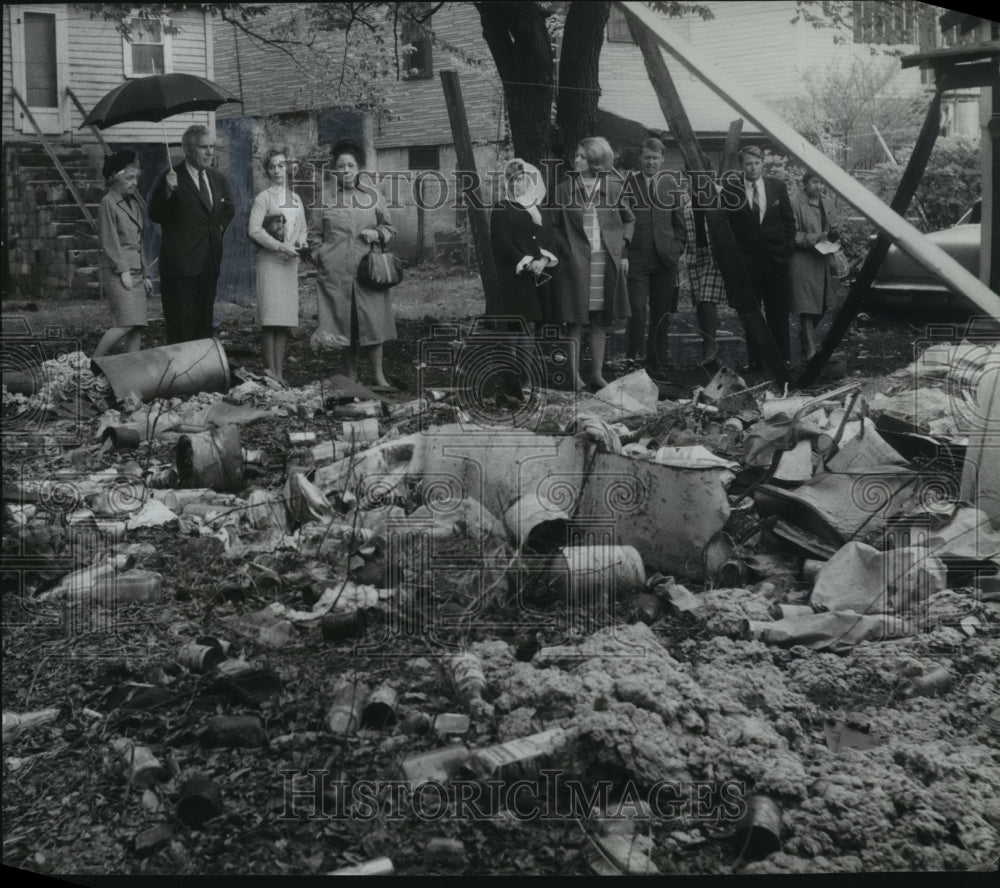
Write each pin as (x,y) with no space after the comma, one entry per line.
(867,776)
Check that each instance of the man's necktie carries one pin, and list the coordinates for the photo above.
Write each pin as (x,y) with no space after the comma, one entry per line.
(203,184)
(756,202)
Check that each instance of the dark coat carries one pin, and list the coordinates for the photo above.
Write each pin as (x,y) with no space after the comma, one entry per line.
(774,238)
(669,232)
(191,232)
(514,235)
(572,279)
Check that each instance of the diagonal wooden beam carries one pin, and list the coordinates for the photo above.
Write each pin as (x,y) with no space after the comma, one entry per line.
(904,235)
(731,150)
(731,267)
(876,255)
(466,163)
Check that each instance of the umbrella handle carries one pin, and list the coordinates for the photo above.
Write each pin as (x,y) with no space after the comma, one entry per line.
(166,144)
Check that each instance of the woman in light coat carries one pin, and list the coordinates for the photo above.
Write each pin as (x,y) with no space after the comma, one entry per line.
(593,226)
(121,224)
(349,218)
(278,228)
(813,280)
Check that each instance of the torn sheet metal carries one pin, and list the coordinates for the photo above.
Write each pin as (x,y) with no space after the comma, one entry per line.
(835,632)
(862,579)
(837,507)
(667,512)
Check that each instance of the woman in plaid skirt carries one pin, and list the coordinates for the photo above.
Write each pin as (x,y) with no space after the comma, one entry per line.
(702,275)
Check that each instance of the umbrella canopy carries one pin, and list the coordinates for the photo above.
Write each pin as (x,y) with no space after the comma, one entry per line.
(155,98)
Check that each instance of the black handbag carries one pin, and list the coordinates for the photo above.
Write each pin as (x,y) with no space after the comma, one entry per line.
(380,270)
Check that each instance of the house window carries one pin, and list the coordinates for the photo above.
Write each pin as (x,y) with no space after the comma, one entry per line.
(40,60)
(889,22)
(425,158)
(419,64)
(618,31)
(147,49)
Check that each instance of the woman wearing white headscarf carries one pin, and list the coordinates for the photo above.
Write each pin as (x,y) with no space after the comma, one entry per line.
(521,239)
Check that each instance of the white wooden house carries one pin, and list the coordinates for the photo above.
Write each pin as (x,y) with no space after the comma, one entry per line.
(61,61)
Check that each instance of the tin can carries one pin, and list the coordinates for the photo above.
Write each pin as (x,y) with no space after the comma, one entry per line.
(357,410)
(299,438)
(649,608)
(783,611)
(199,800)
(380,866)
(163,479)
(341,626)
(122,437)
(234,731)
(135,586)
(344,715)
(138,763)
(763,821)
(418,723)
(359,431)
(199,658)
(451,723)
(380,707)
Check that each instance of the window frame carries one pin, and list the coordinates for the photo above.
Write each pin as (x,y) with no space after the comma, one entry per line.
(423,43)
(166,42)
(618,31)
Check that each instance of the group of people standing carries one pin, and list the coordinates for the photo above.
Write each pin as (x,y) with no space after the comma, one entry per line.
(193,204)
(620,248)
(608,251)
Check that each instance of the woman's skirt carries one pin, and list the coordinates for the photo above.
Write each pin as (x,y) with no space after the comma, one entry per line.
(277,292)
(128,307)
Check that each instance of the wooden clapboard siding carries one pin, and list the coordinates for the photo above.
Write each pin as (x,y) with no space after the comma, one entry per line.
(420,116)
(417,114)
(8,77)
(96,66)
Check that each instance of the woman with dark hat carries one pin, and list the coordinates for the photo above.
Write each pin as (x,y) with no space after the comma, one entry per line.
(349,218)
(121,222)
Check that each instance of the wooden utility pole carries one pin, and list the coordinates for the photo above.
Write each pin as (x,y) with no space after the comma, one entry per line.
(466,166)
(727,256)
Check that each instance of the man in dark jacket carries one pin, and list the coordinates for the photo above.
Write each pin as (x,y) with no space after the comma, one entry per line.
(760,215)
(193,205)
(654,251)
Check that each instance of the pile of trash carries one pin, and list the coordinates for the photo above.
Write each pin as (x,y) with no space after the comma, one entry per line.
(757,621)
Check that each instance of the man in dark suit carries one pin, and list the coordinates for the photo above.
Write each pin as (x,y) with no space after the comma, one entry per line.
(656,246)
(760,216)
(193,205)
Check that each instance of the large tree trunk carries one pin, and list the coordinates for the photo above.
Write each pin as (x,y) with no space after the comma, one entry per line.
(519,43)
(579,80)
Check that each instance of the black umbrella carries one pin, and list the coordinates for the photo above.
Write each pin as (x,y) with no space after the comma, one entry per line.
(156,98)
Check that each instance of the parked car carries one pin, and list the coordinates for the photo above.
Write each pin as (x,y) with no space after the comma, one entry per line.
(904,281)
